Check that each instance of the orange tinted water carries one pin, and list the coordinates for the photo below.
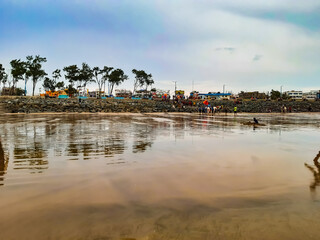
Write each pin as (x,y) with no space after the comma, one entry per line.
(160,176)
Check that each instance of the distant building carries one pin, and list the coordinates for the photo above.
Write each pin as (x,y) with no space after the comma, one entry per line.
(179,93)
(312,95)
(210,95)
(93,94)
(160,94)
(294,94)
(123,93)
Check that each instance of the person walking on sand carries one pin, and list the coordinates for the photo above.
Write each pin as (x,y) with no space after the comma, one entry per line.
(235,110)
(214,109)
(226,110)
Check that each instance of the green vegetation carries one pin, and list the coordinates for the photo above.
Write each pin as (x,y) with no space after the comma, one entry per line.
(34,69)
(275,95)
(51,83)
(75,77)
(101,76)
(116,77)
(142,79)
(18,70)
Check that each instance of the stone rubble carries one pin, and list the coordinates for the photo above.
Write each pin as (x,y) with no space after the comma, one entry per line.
(39,105)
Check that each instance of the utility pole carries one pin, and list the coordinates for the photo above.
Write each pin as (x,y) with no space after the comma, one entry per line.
(223,87)
(175,87)
(281,91)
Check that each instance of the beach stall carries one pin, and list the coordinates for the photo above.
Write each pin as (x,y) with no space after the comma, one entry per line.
(123,93)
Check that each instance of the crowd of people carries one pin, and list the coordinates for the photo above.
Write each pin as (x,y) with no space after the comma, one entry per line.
(205,107)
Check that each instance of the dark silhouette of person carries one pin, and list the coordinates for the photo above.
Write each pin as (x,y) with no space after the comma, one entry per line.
(315,171)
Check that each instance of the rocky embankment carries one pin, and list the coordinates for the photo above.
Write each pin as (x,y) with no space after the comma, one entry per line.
(38,105)
(262,106)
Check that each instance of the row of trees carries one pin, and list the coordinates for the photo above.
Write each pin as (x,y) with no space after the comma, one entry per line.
(24,70)
(77,77)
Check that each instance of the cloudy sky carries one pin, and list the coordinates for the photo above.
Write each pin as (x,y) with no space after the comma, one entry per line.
(244,44)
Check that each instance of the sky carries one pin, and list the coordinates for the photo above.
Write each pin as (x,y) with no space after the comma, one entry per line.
(246,45)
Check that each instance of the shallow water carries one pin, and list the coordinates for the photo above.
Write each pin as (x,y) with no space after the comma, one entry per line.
(159,176)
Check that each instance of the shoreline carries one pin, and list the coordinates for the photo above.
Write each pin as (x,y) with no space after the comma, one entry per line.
(161,113)
(115,106)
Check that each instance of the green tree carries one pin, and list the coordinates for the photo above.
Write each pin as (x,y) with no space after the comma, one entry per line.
(49,84)
(35,70)
(18,70)
(72,73)
(56,74)
(141,79)
(101,76)
(85,75)
(116,77)
(19,91)
(96,71)
(26,76)
(52,84)
(71,90)
(274,94)
(149,81)
(105,77)
(285,96)
(60,85)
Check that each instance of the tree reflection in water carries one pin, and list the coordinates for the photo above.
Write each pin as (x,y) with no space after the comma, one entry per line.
(143,137)
(3,164)
(85,140)
(29,152)
(315,171)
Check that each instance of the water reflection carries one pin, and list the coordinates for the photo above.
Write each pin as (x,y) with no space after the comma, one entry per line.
(113,145)
(3,164)
(31,157)
(29,151)
(145,134)
(35,140)
(315,171)
(210,177)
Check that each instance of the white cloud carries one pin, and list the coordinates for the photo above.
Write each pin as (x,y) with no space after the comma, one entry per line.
(271,5)
(287,49)
(185,50)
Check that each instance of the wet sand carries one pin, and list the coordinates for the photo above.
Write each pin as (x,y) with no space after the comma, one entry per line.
(159,176)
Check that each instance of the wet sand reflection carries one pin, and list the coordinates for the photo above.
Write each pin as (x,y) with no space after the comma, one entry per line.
(154,177)
(29,152)
(316,172)
(3,164)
